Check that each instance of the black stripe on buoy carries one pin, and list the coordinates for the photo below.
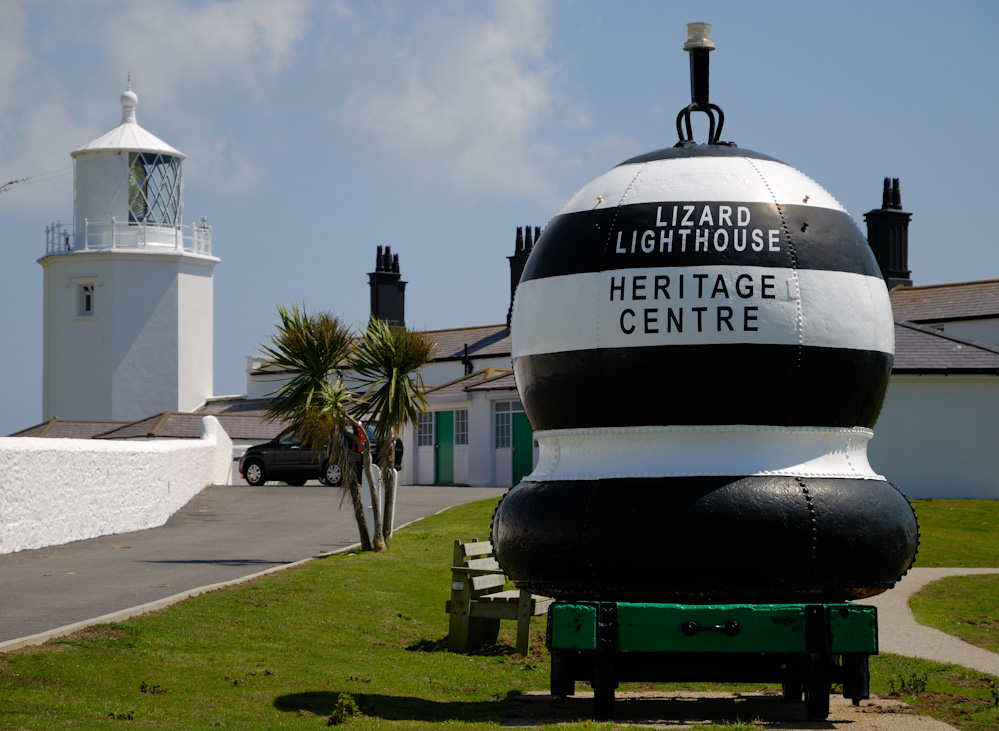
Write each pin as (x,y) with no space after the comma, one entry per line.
(631,236)
(780,385)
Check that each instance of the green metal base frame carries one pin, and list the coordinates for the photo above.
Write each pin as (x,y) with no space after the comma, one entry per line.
(805,647)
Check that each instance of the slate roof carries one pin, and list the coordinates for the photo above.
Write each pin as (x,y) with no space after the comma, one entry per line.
(480,380)
(957,301)
(234,405)
(68,429)
(502,382)
(174,425)
(926,350)
(483,341)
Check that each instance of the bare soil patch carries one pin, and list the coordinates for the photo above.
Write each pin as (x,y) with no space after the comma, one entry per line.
(685,709)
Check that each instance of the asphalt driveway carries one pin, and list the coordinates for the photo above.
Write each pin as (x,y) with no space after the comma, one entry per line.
(222,535)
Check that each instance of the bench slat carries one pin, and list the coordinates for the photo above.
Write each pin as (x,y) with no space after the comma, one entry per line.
(483,583)
(477,593)
(482,563)
(479,548)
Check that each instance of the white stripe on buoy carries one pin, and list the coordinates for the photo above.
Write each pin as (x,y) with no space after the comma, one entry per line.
(601,453)
(737,179)
(710,305)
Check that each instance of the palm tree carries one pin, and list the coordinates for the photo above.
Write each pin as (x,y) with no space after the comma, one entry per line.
(386,362)
(313,349)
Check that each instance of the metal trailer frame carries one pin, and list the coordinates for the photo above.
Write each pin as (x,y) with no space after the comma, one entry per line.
(804,647)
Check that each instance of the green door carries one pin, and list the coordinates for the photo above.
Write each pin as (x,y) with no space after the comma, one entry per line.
(523,447)
(444,449)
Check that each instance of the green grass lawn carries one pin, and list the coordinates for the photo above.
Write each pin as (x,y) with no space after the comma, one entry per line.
(964,606)
(958,533)
(281,651)
(278,652)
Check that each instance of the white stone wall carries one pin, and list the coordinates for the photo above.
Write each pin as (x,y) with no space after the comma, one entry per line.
(53,491)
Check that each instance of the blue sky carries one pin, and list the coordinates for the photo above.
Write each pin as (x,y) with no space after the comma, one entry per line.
(317,130)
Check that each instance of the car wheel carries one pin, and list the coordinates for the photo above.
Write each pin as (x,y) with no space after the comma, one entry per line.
(333,474)
(255,474)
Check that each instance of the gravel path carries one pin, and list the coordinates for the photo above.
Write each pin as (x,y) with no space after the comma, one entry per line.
(899,632)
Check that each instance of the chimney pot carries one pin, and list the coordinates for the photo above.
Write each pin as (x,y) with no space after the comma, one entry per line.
(888,235)
(388,291)
(521,253)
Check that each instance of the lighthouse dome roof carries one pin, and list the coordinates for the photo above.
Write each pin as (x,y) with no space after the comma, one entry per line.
(128,135)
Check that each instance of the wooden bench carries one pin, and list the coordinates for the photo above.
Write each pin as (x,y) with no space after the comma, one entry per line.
(478,601)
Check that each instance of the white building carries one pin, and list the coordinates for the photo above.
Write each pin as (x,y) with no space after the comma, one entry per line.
(127,310)
(476,432)
(938,434)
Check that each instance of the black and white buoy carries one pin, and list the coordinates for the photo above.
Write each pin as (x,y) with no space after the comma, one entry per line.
(702,341)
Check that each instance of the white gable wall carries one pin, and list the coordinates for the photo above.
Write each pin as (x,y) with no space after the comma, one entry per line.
(938,436)
(984,331)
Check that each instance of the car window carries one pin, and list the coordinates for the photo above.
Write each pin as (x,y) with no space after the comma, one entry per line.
(290,439)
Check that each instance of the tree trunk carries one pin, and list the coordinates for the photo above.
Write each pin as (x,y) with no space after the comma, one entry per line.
(389,479)
(378,535)
(354,490)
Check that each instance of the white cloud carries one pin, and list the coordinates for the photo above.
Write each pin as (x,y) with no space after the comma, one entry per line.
(460,97)
(183,56)
(46,133)
(13,48)
(180,49)
(193,61)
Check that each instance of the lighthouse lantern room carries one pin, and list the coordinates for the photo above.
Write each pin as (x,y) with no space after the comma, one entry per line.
(128,293)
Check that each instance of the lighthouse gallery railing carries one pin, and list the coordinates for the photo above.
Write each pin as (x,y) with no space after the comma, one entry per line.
(195,238)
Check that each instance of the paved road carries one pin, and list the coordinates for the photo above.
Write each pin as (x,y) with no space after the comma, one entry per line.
(223,534)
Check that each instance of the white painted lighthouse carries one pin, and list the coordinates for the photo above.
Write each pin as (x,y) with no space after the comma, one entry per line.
(128,287)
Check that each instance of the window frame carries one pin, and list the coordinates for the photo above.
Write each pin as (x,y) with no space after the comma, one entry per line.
(425,436)
(461,427)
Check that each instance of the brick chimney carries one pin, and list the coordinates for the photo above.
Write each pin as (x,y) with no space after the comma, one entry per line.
(521,252)
(888,235)
(388,291)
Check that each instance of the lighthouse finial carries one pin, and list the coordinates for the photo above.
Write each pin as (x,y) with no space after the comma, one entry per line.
(128,102)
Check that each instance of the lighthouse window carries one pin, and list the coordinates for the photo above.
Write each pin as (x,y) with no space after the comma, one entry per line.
(425,430)
(85,300)
(153,189)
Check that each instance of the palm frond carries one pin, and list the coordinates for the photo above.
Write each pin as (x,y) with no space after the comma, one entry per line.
(309,348)
(387,362)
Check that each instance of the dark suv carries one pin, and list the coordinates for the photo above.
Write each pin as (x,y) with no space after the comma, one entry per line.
(289,459)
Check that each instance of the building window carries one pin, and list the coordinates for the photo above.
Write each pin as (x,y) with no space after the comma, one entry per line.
(85,300)
(503,426)
(461,427)
(425,430)
(503,422)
